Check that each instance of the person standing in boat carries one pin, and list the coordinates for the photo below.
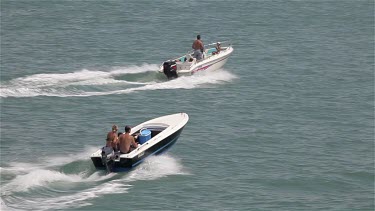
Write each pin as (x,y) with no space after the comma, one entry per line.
(198,48)
(127,142)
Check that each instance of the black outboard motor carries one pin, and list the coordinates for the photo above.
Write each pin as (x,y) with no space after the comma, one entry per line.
(169,69)
(107,159)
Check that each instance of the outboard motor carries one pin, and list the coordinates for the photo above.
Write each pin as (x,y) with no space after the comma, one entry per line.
(170,69)
(107,159)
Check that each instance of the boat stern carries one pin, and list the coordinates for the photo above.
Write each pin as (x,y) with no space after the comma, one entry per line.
(169,68)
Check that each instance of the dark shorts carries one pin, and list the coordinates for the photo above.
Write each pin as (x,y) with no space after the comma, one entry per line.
(198,54)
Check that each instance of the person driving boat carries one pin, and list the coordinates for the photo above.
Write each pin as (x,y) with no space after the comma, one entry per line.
(127,142)
(198,48)
(218,48)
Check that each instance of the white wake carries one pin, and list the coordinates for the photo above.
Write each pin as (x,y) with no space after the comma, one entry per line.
(51,189)
(115,81)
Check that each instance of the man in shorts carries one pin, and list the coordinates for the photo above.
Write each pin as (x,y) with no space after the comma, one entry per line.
(198,48)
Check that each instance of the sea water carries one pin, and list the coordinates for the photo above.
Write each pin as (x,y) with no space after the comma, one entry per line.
(286,124)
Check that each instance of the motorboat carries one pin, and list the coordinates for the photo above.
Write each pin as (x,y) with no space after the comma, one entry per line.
(154,137)
(187,65)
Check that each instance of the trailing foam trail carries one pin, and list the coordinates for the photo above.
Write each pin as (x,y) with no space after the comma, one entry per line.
(65,84)
(156,167)
(63,79)
(78,199)
(185,82)
(41,197)
(71,84)
(47,162)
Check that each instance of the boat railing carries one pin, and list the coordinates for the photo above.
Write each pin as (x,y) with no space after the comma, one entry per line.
(208,50)
(223,44)
(207,47)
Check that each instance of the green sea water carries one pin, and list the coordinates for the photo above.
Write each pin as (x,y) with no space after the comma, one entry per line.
(286,124)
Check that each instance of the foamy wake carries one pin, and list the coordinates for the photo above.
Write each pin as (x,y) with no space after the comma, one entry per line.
(156,167)
(42,173)
(47,188)
(79,83)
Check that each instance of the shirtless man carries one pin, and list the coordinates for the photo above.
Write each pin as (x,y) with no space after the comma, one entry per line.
(198,48)
(127,142)
(112,138)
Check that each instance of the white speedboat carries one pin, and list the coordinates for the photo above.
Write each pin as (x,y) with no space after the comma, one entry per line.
(154,137)
(187,65)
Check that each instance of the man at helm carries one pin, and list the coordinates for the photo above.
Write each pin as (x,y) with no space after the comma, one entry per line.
(198,48)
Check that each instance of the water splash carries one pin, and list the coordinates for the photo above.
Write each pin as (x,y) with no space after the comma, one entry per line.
(36,178)
(81,83)
(46,172)
(156,167)
(39,189)
(78,199)
(48,162)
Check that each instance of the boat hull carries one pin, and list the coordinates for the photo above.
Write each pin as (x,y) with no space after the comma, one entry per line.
(212,66)
(125,164)
(177,67)
(165,131)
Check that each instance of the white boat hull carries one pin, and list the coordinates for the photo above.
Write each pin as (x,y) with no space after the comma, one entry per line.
(210,62)
(211,65)
(165,131)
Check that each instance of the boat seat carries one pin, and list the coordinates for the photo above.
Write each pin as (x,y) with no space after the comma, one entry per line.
(188,57)
(185,65)
(182,59)
(210,51)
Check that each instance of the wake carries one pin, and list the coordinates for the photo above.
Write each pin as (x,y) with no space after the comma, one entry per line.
(85,83)
(43,187)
